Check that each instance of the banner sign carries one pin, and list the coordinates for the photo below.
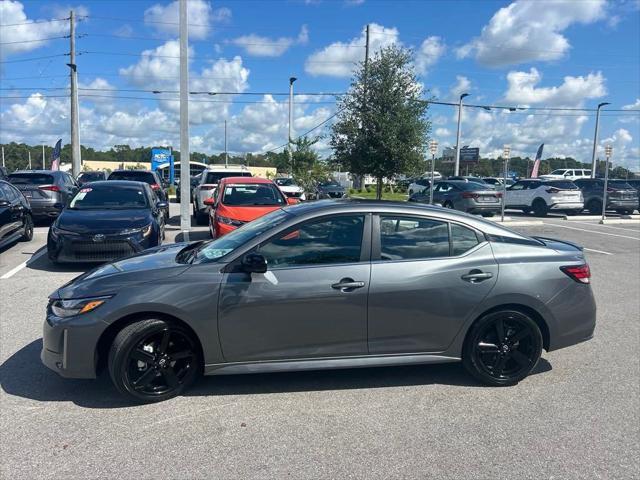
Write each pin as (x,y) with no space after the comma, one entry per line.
(160,157)
(536,164)
(55,155)
(467,155)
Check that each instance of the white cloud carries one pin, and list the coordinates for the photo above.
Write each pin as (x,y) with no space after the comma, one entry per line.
(528,31)
(200,16)
(340,58)
(259,46)
(429,53)
(353,3)
(442,132)
(157,68)
(522,89)
(12,12)
(462,85)
(633,106)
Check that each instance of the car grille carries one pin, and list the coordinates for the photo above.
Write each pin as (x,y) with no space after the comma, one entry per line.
(89,251)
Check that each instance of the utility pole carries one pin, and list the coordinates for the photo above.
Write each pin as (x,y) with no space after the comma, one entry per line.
(595,140)
(44,163)
(456,171)
(226,156)
(29,160)
(366,56)
(506,153)
(3,156)
(291,80)
(608,150)
(433,147)
(185,216)
(75,131)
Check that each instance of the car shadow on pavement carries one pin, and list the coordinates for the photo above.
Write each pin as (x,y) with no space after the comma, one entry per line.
(40,261)
(23,375)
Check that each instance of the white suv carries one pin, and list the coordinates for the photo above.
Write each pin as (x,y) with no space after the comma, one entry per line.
(208,181)
(567,174)
(542,196)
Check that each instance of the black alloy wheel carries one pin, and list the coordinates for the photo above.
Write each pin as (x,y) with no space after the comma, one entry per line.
(153,360)
(27,234)
(502,348)
(595,207)
(540,208)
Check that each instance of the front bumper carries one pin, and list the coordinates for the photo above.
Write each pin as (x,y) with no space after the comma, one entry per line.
(86,249)
(69,345)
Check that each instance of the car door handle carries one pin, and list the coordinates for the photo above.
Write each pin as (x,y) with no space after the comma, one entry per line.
(347,285)
(476,276)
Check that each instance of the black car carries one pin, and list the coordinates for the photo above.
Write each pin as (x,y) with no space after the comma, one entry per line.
(47,191)
(86,177)
(194,180)
(4,173)
(621,196)
(105,221)
(147,176)
(329,189)
(16,222)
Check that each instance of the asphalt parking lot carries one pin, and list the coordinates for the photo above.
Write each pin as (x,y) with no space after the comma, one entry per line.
(577,416)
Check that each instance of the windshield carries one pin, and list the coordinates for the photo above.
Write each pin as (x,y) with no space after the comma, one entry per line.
(31,179)
(218,248)
(619,184)
(285,182)
(252,194)
(146,177)
(89,176)
(109,197)
(215,177)
(563,185)
(330,183)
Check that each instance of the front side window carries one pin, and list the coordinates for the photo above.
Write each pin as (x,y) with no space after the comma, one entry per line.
(320,242)
(517,186)
(412,238)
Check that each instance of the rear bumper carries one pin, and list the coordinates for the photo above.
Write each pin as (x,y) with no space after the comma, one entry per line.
(574,311)
(626,204)
(46,210)
(567,206)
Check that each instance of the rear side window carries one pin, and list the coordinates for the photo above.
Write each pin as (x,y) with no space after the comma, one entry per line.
(146,177)
(412,238)
(31,179)
(463,239)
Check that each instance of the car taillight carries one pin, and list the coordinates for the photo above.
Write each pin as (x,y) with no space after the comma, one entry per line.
(469,195)
(579,273)
(50,188)
(552,190)
(207,187)
(155,186)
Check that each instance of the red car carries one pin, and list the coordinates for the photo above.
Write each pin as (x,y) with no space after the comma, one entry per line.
(238,200)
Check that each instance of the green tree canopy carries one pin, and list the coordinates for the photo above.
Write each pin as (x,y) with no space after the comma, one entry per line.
(382,128)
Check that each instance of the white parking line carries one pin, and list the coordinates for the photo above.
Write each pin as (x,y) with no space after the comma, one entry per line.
(595,231)
(605,226)
(15,270)
(596,251)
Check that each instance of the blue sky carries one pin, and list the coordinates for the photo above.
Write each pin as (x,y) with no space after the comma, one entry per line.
(564,53)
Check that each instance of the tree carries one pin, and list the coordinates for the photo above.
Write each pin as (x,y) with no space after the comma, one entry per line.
(382,129)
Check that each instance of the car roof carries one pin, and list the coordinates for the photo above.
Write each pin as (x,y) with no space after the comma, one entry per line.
(48,172)
(133,171)
(222,168)
(245,180)
(116,183)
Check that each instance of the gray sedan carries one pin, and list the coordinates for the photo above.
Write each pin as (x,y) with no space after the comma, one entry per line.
(466,196)
(322,285)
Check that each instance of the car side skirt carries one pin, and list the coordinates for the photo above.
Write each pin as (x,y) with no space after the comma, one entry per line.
(233,368)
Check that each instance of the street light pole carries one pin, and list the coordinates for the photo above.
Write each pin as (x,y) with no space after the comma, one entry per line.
(433,147)
(226,157)
(608,150)
(291,80)
(506,154)
(595,139)
(185,215)
(457,166)
(44,165)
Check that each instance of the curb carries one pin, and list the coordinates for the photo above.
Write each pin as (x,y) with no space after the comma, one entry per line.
(626,221)
(577,218)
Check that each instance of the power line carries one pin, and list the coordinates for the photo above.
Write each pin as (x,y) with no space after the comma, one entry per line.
(35,40)
(202,92)
(34,21)
(33,59)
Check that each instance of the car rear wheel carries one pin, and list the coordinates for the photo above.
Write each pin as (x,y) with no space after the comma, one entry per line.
(27,234)
(448,204)
(623,211)
(502,348)
(540,208)
(153,360)
(594,207)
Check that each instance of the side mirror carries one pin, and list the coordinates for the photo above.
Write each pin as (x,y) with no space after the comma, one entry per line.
(254,263)
(162,205)
(292,201)
(210,201)
(4,203)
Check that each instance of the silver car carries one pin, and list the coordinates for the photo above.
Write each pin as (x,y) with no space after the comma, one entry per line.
(322,285)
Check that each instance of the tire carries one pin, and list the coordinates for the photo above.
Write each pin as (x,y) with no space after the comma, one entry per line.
(595,207)
(448,204)
(572,213)
(488,214)
(623,211)
(540,208)
(502,362)
(142,362)
(201,218)
(27,234)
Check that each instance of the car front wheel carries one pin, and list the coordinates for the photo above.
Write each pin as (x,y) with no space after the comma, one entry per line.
(153,360)
(502,348)
(540,208)
(27,233)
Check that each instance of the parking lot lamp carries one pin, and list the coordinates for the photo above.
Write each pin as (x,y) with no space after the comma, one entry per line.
(608,150)
(457,165)
(433,148)
(506,153)
(595,139)
(291,80)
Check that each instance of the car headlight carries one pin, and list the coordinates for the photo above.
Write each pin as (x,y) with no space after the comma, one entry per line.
(55,231)
(69,308)
(230,221)
(146,231)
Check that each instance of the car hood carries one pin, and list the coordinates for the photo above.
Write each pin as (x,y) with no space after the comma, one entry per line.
(151,266)
(245,214)
(104,221)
